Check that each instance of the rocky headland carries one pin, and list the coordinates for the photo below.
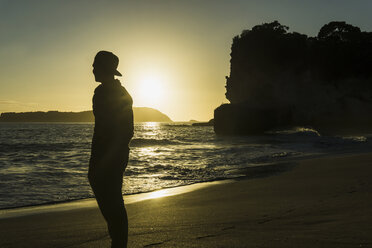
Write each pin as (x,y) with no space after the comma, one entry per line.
(281,79)
(140,114)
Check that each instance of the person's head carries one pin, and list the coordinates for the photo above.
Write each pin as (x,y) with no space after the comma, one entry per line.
(104,66)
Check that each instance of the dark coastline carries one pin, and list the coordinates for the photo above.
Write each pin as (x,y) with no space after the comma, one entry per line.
(141,114)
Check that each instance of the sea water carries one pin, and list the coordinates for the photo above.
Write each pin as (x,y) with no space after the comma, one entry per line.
(43,163)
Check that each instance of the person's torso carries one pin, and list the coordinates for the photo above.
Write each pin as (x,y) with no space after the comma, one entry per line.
(112,108)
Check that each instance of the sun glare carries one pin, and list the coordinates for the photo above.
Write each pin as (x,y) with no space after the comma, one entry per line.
(158,194)
(151,90)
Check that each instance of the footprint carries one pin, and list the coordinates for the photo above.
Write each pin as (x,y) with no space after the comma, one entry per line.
(207,236)
(228,228)
(159,243)
(264,221)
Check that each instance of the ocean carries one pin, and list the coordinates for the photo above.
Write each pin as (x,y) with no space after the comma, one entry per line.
(44,163)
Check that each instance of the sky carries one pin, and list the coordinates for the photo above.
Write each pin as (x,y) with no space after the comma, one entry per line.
(174,55)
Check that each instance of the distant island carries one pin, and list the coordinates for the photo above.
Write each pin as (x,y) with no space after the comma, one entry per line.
(202,124)
(141,114)
(281,79)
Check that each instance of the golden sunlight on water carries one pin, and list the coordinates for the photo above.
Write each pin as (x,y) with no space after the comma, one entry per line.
(151,125)
(151,128)
(148,151)
(158,194)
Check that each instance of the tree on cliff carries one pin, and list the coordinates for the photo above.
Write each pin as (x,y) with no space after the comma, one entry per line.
(260,54)
(339,32)
(268,56)
(341,51)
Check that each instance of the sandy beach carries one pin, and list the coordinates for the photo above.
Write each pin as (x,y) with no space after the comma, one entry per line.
(323,202)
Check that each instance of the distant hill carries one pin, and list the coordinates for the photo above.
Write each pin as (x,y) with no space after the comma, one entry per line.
(141,114)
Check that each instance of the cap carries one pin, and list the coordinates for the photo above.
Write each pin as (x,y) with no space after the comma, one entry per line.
(107,61)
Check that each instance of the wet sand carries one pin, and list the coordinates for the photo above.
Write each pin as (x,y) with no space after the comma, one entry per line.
(324,202)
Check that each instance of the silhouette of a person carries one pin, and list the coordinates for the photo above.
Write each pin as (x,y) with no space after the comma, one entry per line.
(113,130)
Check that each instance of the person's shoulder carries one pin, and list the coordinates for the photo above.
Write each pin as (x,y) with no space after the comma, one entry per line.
(98,89)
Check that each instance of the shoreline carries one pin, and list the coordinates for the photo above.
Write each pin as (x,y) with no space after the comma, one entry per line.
(91,202)
(321,202)
(259,171)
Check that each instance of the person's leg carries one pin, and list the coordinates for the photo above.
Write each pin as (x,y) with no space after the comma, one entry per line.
(101,190)
(107,188)
(118,221)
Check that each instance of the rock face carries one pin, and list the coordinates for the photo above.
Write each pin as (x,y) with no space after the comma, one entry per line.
(203,124)
(281,79)
(141,114)
(240,119)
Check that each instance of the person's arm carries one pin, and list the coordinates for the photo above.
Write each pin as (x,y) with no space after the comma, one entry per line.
(125,119)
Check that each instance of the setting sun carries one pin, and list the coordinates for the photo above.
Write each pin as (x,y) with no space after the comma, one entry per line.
(151,90)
